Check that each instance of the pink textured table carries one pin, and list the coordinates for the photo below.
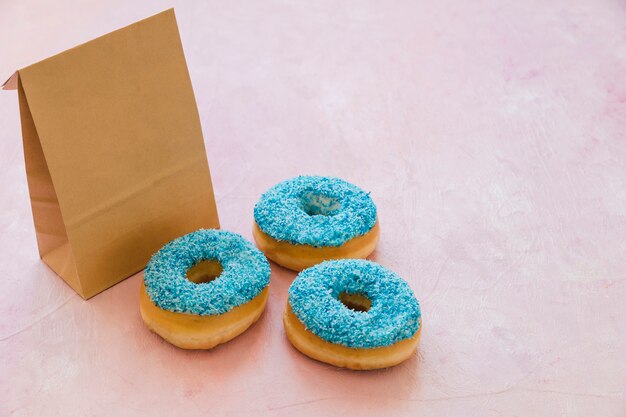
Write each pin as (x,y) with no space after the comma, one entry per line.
(492,135)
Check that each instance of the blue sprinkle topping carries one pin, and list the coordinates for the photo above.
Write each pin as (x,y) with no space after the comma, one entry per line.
(393,316)
(316,211)
(245,273)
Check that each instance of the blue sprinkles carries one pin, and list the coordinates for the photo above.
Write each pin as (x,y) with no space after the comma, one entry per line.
(316,211)
(393,316)
(245,274)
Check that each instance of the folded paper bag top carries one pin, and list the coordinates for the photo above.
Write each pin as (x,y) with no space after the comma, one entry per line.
(114,154)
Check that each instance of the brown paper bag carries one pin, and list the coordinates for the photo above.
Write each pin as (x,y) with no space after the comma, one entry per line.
(115,159)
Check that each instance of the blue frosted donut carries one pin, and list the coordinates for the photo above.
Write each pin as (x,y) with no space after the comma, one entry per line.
(316,211)
(394,314)
(245,273)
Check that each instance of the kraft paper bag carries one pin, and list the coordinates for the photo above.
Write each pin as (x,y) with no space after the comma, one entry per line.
(115,159)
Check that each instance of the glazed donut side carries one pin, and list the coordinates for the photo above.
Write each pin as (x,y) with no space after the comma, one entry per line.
(298,257)
(191,331)
(344,357)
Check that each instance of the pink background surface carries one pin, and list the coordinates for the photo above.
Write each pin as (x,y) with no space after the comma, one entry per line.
(492,137)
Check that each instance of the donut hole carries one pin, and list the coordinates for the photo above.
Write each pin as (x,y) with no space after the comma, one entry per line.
(204,271)
(320,205)
(355,302)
